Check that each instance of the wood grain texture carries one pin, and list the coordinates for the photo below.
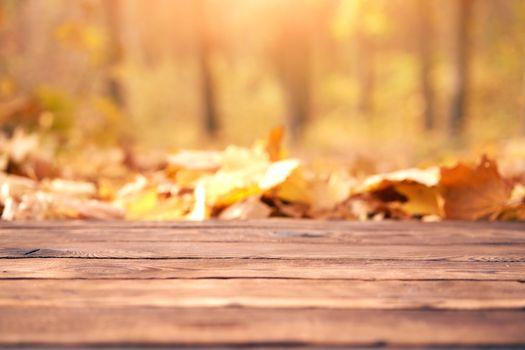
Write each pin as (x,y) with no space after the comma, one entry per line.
(341,294)
(367,269)
(271,224)
(351,232)
(277,283)
(164,325)
(249,250)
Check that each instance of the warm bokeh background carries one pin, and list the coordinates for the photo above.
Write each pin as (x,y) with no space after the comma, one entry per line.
(415,78)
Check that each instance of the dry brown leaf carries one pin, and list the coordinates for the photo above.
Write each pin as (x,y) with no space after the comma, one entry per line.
(428,177)
(295,189)
(81,189)
(421,200)
(413,191)
(250,208)
(291,210)
(86,209)
(196,160)
(45,206)
(512,212)
(15,185)
(243,183)
(328,193)
(366,206)
(472,193)
(320,192)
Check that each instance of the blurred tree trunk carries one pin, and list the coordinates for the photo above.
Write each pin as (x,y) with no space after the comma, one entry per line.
(15,40)
(204,51)
(425,25)
(22,23)
(3,40)
(297,81)
(115,90)
(293,55)
(521,112)
(461,62)
(365,60)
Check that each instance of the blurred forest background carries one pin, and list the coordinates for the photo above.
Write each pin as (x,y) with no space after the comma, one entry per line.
(410,77)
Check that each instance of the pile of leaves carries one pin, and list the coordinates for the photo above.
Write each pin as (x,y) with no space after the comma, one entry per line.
(241,183)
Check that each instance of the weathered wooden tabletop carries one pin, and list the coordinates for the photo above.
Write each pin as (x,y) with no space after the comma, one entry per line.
(274,283)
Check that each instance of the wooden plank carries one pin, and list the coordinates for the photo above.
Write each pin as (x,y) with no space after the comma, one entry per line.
(355,233)
(274,346)
(13,236)
(257,268)
(245,250)
(272,223)
(253,347)
(269,293)
(270,283)
(214,326)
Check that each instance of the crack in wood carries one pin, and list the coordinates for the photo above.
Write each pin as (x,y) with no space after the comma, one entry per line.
(31,252)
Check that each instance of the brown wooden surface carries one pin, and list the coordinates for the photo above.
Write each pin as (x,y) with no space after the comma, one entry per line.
(257,284)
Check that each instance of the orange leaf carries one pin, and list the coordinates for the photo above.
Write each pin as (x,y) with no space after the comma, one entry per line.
(250,208)
(471,193)
(273,145)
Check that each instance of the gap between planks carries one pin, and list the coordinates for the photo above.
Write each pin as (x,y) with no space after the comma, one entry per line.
(162,250)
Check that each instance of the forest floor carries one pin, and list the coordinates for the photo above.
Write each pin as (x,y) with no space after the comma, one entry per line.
(39,182)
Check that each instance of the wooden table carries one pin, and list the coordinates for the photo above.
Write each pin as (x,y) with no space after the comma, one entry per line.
(277,283)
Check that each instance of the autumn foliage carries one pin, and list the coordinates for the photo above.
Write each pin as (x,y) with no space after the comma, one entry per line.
(243,183)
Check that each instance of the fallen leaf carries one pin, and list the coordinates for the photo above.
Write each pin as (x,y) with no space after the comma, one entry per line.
(69,187)
(200,209)
(421,200)
(17,185)
(428,177)
(195,160)
(328,193)
(45,206)
(319,192)
(250,208)
(413,191)
(296,187)
(228,186)
(277,173)
(274,144)
(471,193)
(512,212)
(141,204)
